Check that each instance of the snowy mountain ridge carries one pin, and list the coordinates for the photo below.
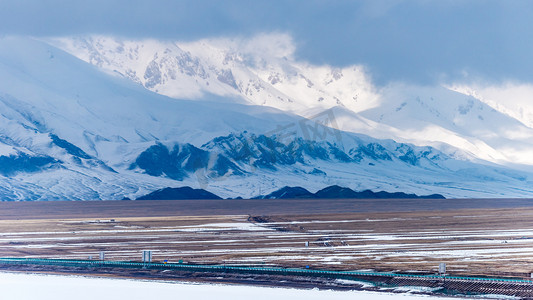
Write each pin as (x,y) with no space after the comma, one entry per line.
(263,71)
(69,131)
(227,68)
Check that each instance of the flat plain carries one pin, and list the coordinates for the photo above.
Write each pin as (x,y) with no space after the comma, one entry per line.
(472,236)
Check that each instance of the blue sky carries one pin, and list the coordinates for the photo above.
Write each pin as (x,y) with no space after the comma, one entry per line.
(414,41)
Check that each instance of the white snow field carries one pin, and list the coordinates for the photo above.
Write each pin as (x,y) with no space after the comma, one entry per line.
(55,287)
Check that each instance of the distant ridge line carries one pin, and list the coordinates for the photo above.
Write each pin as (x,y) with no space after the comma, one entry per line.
(330,192)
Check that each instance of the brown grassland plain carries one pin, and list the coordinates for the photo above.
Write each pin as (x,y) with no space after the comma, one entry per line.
(487,241)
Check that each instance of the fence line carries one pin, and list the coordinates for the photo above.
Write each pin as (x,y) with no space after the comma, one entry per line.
(263,270)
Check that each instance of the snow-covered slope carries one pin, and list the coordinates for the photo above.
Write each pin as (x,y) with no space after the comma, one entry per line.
(513,99)
(438,115)
(63,114)
(264,71)
(70,131)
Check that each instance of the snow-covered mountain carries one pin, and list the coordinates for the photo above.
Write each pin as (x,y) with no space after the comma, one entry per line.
(267,75)
(81,124)
(104,127)
(263,71)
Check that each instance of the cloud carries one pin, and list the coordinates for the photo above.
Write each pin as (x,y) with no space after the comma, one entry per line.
(419,41)
(262,46)
(134,18)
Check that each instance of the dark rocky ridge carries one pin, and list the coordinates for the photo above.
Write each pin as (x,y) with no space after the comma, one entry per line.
(330,192)
(231,155)
(338,192)
(181,193)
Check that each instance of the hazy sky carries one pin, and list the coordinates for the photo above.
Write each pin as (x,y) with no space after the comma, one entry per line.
(418,41)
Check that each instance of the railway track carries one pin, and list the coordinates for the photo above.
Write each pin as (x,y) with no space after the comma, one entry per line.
(459,285)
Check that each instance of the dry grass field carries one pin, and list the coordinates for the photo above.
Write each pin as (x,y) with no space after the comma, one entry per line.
(488,241)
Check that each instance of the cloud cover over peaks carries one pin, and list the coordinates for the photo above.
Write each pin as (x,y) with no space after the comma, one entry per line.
(418,41)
